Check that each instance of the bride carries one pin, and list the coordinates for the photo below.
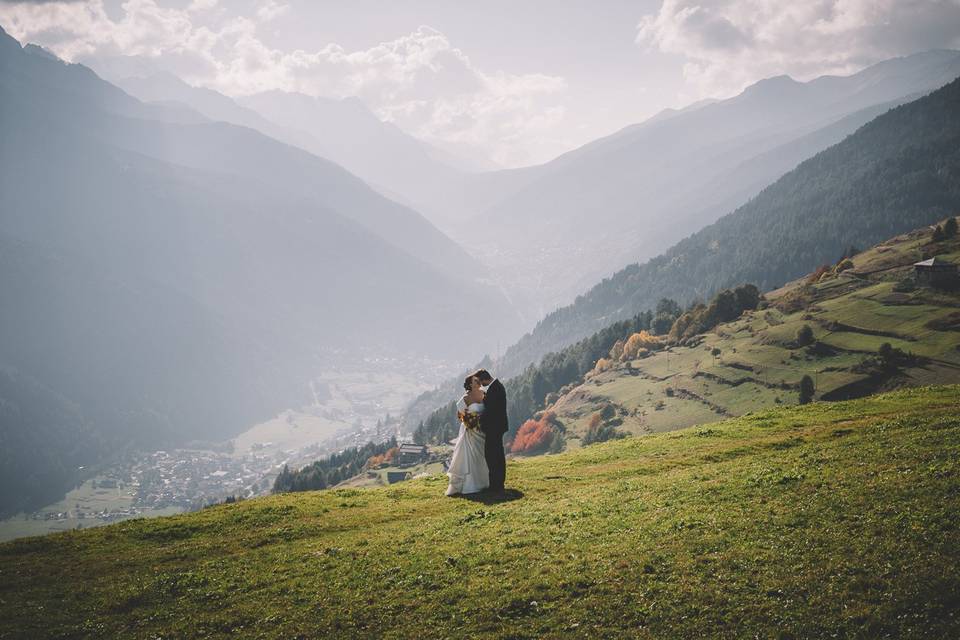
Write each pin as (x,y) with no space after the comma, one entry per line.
(468,471)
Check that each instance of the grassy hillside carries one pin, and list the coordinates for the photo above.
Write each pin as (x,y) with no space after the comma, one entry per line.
(760,364)
(830,520)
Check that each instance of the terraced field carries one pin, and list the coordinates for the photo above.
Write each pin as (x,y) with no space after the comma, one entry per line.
(759,363)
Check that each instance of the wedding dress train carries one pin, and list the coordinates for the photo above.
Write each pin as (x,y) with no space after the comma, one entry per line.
(468,471)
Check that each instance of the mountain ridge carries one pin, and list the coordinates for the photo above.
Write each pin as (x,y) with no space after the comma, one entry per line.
(189,276)
(620,295)
(648,185)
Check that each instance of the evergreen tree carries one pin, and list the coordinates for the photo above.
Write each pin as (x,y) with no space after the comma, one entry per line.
(950,228)
(806,390)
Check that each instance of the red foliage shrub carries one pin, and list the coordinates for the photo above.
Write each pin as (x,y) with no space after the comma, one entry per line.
(534,436)
(381,459)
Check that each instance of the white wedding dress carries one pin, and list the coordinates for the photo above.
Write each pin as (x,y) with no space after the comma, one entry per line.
(468,471)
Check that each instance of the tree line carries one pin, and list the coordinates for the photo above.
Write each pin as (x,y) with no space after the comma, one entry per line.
(332,470)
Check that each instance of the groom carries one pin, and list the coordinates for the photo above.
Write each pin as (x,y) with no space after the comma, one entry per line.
(493,423)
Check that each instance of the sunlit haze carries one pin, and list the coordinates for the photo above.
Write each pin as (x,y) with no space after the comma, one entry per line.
(512,83)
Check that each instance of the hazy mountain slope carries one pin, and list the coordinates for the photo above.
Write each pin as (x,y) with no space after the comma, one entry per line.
(630,195)
(835,519)
(898,172)
(166,88)
(223,148)
(348,133)
(169,280)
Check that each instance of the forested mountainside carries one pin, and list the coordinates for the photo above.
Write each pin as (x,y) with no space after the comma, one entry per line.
(554,230)
(898,172)
(866,324)
(674,368)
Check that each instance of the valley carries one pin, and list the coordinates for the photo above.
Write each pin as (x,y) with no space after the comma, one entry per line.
(250,251)
(355,402)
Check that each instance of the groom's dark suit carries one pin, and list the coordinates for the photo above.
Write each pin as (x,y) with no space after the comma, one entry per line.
(493,423)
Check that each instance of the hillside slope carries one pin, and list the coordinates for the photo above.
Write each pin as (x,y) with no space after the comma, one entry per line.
(896,173)
(831,520)
(755,362)
(748,364)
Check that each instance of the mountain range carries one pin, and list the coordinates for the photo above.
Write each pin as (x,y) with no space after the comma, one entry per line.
(344,131)
(554,230)
(167,277)
(892,174)
(777,242)
(549,232)
(899,172)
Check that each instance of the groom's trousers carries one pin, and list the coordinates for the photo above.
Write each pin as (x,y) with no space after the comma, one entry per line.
(496,461)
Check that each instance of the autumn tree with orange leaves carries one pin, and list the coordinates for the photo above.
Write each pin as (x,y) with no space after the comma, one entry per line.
(538,436)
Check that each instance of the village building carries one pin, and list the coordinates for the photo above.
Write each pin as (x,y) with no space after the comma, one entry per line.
(935,272)
(411,453)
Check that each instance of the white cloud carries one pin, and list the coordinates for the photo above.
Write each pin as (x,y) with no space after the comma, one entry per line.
(420,81)
(271,9)
(202,5)
(728,44)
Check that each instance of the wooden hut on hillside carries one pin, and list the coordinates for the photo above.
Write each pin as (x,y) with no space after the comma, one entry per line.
(411,453)
(935,272)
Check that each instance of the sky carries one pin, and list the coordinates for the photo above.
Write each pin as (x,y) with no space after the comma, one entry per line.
(517,82)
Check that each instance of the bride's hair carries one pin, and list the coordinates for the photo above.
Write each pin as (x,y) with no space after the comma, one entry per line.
(467,382)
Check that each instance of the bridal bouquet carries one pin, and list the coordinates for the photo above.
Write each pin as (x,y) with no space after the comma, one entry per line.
(470,420)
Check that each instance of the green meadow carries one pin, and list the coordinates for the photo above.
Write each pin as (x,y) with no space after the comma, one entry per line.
(831,520)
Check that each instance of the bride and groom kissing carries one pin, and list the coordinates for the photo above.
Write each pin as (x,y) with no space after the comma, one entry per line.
(478,463)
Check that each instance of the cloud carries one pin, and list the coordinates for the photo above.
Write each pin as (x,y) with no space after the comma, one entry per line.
(728,44)
(271,9)
(419,81)
(202,5)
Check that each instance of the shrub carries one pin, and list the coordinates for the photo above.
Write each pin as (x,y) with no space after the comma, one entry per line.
(905,286)
(383,458)
(537,436)
(639,343)
(950,228)
(816,275)
(603,364)
(616,352)
(805,335)
(806,390)
(843,265)
(602,433)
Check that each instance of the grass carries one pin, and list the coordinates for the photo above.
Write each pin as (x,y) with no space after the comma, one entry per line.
(831,520)
(760,365)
